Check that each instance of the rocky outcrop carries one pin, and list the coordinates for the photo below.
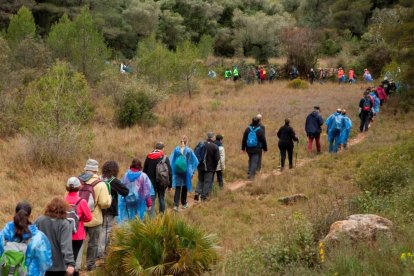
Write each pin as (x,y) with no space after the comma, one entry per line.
(287,200)
(362,227)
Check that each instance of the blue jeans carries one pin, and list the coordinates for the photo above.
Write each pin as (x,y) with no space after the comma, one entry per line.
(160,192)
(253,164)
(333,139)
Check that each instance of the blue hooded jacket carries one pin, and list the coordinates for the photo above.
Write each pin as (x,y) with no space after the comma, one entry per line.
(39,252)
(139,185)
(343,137)
(377,102)
(192,163)
(335,123)
(313,124)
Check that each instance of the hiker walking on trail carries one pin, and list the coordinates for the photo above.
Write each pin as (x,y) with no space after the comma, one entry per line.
(34,252)
(263,128)
(227,74)
(140,190)
(96,193)
(365,110)
(294,73)
(110,171)
(382,95)
(343,137)
(351,76)
(341,75)
(58,230)
(286,136)
(312,75)
(367,76)
(208,156)
(183,165)
(253,142)
(335,125)
(377,102)
(81,209)
(236,74)
(272,74)
(157,167)
(313,128)
(221,164)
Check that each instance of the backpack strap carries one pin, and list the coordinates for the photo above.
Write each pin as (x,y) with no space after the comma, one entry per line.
(77,203)
(93,184)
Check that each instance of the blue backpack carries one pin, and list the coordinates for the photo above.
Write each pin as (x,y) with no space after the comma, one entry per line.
(338,122)
(252,137)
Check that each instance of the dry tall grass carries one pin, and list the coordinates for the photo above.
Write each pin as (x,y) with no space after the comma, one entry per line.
(223,107)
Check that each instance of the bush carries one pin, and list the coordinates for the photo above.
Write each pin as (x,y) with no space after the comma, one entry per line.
(55,107)
(298,84)
(387,170)
(166,245)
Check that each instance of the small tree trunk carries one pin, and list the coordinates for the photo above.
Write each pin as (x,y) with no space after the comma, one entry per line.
(188,86)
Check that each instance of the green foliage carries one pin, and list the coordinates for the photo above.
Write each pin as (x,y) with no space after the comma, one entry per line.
(206,46)
(166,245)
(375,58)
(294,246)
(298,84)
(171,30)
(351,14)
(21,26)
(387,170)
(330,47)
(134,106)
(154,62)
(5,65)
(32,53)
(80,42)
(55,107)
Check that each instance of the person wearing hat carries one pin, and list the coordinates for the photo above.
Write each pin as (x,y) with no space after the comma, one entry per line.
(82,210)
(367,76)
(221,165)
(206,168)
(365,109)
(313,128)
(335,124)
(150,168)
(102,200)
(343,137)
(286,136)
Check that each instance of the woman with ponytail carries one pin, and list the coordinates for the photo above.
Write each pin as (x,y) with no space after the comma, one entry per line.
(38,254)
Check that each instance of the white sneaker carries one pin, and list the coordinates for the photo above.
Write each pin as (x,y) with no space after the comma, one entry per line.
(185,206)
(175,208)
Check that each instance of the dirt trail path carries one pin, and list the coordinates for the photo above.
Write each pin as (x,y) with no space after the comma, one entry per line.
(301,162)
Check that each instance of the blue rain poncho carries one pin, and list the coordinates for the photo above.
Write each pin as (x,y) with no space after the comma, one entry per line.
(377,102)
(38,254)
(140,192)
(335,124)
(343,137)
(192,163)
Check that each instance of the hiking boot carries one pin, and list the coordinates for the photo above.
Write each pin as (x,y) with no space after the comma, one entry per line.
(175,208)
(197,198)
(290,167)
(185,206)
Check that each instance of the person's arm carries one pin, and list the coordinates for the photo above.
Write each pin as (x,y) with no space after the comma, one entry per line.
(244,140)
(293,135)
(264,142)
(85,211)
(66,243)
(145,168)
(167,161)
(278,133)
(222,157)
(39,252)
(119,187)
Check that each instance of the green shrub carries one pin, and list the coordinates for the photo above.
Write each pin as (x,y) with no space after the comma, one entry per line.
(298,84)
(386,170)
(165,245)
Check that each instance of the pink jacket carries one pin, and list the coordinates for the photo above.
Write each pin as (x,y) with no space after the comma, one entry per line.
(85,215)
(381,94)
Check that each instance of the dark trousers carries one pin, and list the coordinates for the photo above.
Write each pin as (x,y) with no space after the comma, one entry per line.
(259,162)
(205,183)
(76,246)
(94,234)
(220,178)
(160,193)
(253,163)
(365,117)
(180,192)
(286,147)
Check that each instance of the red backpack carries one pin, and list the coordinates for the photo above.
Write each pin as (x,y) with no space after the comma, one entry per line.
(87,193)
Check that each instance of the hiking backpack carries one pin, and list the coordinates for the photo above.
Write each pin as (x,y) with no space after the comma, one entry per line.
(338,122)
(13,260)
(200,152)
(162,176)
(87,193)
(180,164)
(367,104)
(252,137)
(73,217)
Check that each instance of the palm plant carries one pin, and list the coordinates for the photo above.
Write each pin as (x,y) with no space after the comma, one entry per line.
(165,245)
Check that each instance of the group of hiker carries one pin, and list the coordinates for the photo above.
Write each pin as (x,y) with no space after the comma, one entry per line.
(54,242)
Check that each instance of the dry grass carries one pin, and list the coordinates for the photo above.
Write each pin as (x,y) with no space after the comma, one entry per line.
(223,107)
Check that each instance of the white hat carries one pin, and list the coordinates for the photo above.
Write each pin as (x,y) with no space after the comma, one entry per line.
(73,183)
(91,165)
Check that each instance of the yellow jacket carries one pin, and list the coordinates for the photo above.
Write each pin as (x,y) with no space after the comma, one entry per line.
(103,200)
